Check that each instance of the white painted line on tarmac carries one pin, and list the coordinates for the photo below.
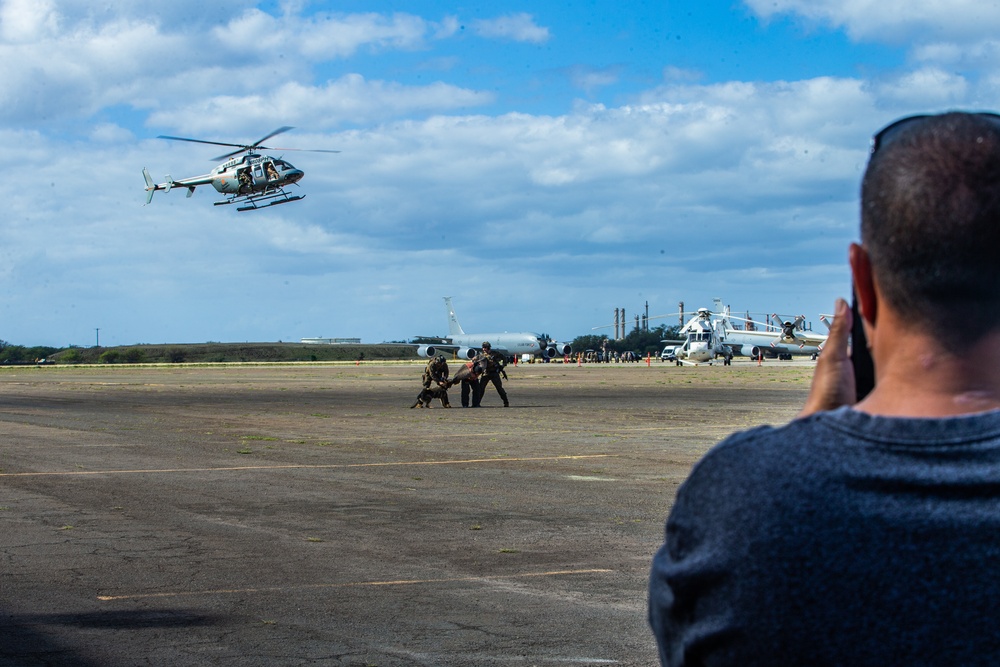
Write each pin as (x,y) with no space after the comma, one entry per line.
(332,466)
(353,584)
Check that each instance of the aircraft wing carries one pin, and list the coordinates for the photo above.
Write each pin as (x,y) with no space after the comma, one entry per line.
(809,338)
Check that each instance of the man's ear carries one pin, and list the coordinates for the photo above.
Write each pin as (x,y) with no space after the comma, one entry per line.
(864,283)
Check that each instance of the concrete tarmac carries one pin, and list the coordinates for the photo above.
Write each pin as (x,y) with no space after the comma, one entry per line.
(304,515)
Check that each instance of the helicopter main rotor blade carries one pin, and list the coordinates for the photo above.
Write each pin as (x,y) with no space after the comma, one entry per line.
(280,130)
(247,147)
(229,155)
(300,150)
(201,141)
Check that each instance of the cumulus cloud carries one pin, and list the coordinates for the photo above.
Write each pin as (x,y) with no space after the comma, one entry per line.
(56,61)
(25,21)
(894,20)
(327,36)
(350,99)
(926,88)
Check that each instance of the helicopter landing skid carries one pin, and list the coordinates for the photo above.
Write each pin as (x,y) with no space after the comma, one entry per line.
(254,203)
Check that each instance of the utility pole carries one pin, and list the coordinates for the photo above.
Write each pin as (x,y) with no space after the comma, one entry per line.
(98,343)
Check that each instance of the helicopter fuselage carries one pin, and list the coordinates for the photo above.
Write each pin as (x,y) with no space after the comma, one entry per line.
(253,173)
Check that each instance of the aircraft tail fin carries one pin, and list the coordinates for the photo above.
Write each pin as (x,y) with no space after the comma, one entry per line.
(454,328)
(150,185)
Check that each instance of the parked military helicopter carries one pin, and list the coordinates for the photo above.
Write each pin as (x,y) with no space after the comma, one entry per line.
(253,179)
(710,334)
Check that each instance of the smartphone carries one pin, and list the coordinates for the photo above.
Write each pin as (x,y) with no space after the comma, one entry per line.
(864,369)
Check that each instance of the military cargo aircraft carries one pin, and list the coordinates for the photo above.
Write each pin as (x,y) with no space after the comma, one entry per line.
(467,345)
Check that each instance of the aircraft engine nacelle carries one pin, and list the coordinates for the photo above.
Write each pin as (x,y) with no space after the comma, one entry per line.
(547,352)
(467,353)
(560,350)
(753,351)
(426,351)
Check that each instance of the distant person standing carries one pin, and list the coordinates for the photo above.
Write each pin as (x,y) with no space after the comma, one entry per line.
(470,383)
(495,363)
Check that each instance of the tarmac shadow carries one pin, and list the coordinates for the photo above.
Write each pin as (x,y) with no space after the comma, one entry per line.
(24,642)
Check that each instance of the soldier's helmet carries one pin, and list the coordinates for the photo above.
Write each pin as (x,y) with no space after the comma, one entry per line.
(439,359)
(486,345)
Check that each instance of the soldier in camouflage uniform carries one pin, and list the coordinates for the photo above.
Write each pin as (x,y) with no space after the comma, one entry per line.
(435,381)
(470,385)
(495,363)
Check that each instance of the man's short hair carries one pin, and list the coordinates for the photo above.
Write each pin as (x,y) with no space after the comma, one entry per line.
(930,221)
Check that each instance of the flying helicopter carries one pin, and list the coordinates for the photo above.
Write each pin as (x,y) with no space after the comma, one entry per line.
(252,179)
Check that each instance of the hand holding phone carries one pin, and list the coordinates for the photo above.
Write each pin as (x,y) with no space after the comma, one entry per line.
(833,382)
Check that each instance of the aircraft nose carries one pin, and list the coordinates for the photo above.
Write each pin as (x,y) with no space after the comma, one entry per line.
(294,175)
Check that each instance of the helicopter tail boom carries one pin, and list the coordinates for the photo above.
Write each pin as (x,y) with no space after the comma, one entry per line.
(187,183)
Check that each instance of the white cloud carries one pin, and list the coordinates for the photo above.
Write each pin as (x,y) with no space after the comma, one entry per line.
(25,21)
(88,64)
(893,20)
(515,27)
(927,88)
(326,36)
(590,79)
(350,99)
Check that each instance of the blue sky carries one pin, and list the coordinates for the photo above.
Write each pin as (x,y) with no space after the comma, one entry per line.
(542,163)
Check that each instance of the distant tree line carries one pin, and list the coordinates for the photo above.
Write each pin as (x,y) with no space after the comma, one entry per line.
(637,340)
(19,354)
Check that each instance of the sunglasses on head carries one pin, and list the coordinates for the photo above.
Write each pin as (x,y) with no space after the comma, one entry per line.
(885,135)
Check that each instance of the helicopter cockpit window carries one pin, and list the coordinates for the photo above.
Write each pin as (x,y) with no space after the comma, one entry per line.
(282,165)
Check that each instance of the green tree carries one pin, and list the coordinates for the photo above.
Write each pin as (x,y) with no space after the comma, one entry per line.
(589,342)
(109,357)
(11,354)
(71,356)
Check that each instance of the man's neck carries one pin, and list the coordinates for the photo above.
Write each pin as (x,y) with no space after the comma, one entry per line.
(919,375)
